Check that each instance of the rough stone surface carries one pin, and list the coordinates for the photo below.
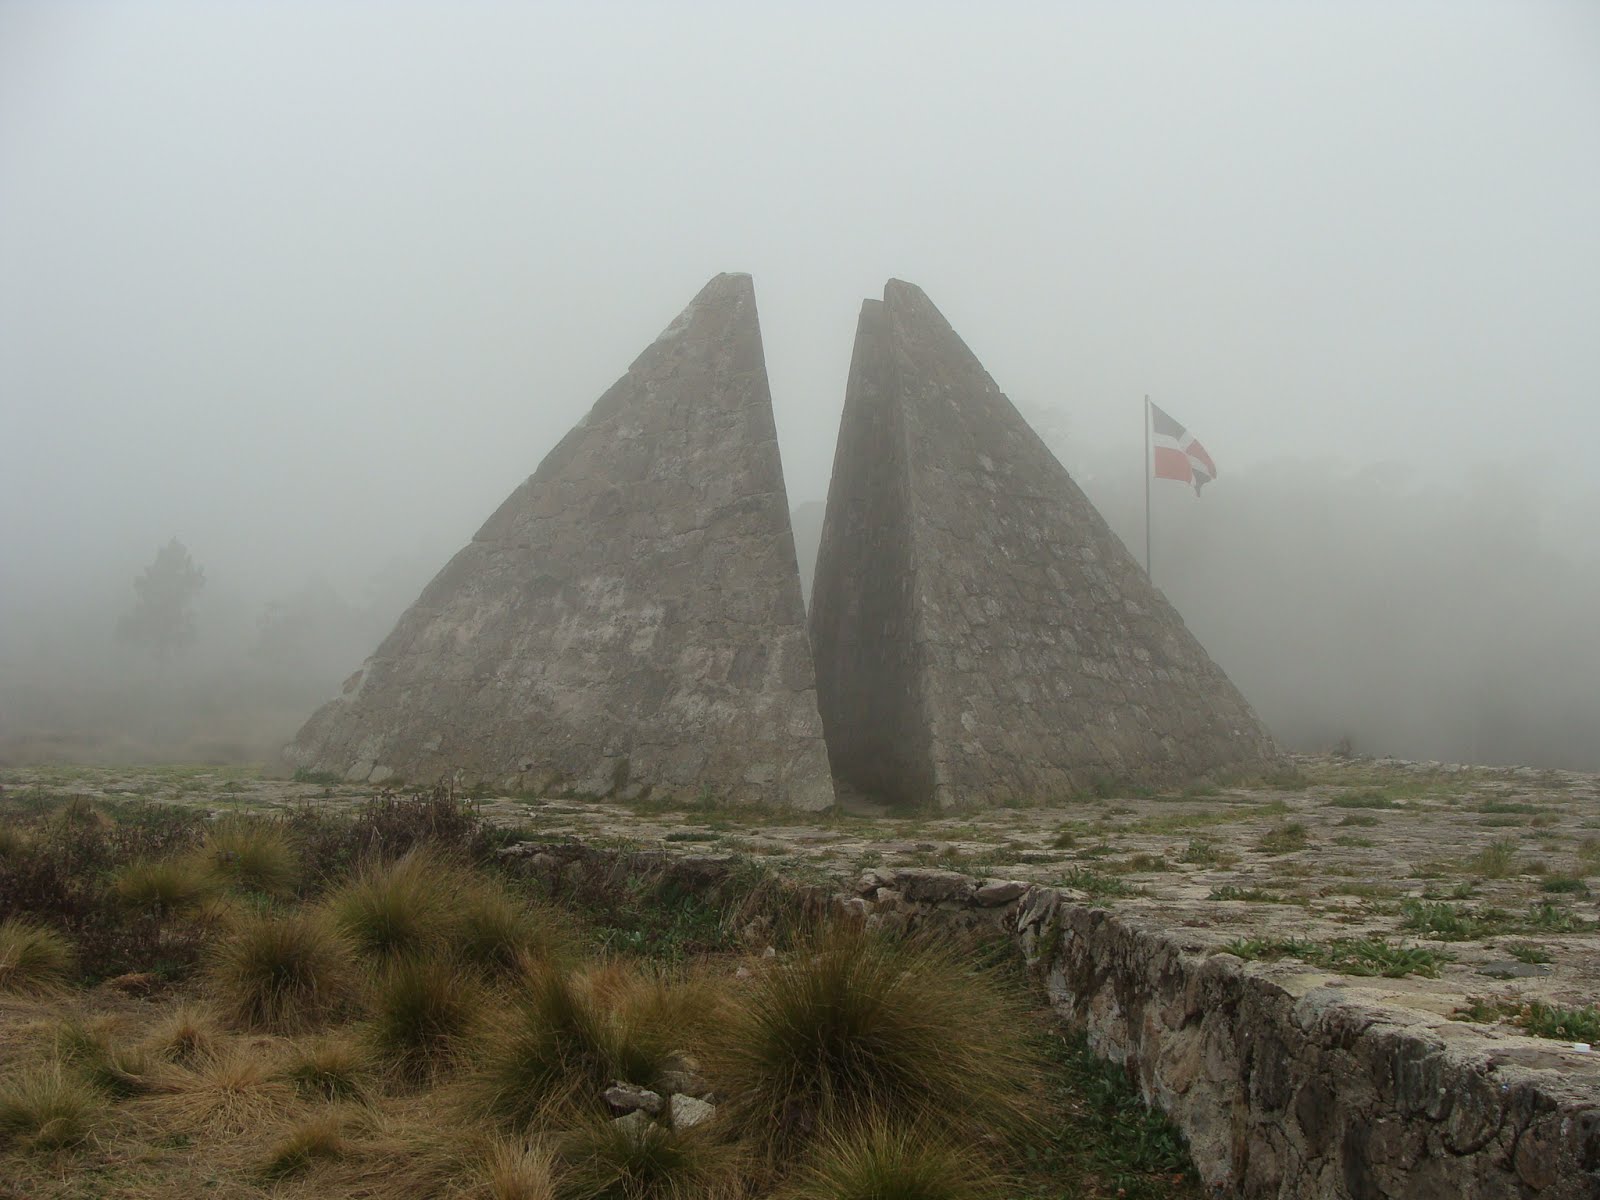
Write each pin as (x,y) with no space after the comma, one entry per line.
(624,1098)
(687,1112)
(980,633)
(1289,1079)
(629,620)
(636,1123)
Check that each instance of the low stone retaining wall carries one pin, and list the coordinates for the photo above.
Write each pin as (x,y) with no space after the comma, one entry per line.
(1285,1085)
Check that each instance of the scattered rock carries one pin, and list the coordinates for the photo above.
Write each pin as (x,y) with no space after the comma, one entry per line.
(999,891)
(624,1098)
(635,1123)
(687,1112)
(927,885)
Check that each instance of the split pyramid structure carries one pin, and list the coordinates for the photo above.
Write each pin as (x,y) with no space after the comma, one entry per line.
(980,634)
(630,620)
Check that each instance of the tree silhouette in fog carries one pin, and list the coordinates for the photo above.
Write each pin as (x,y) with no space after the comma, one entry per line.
(162,618)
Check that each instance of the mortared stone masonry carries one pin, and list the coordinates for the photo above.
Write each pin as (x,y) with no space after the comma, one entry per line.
(980,635)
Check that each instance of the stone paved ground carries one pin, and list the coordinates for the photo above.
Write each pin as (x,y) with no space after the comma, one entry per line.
(1489,866)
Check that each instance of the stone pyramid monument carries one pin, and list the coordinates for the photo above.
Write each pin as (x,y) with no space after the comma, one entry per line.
(629,620)
(979,632)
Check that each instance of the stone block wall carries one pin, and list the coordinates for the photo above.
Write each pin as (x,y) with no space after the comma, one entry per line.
(1284,1086)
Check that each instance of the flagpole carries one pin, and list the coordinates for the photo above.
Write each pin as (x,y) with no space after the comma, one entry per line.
(1146,465)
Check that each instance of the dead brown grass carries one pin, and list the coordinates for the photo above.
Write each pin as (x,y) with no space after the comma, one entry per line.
(237,1090)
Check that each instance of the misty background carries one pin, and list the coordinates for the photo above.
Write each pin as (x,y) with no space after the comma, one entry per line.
(312,286)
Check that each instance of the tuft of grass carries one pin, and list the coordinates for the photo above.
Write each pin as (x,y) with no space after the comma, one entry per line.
(328,1069)
(1448,922)
(222,1095)
(1144,864)
(1229,891)
(1371,798)
(879,1161)
(35,960)
(47,1108)
(1203,852)
(397,908)
(1561,1024)
(1097,884)
(1284,839)
(1565,885)
(1263,949)
(313,1139)
(1495,861)
(852,1024)
(1546,916)
(251,855)
(1373,956)
(1527,952)
(163,887)
(1183,822)
(497,933)
(120,1071)
(1348,956)
(116,1070)
(424,1012)
(571,1035)
(1505,806)
(606,1159)
(517,1171)
(185,1035)
(282,973)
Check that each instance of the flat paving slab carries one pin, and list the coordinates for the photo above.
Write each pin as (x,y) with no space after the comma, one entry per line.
(1471,886)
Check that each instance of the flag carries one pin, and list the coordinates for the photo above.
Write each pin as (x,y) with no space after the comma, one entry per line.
(1177,454)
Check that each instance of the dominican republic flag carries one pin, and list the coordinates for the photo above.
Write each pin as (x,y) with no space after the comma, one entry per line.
(1177,454)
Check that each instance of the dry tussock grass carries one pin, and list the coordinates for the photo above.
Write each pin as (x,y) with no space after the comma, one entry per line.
(35,960)
(237,1090)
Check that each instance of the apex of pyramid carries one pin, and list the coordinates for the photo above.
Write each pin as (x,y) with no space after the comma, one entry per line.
(730,287)
(920,322)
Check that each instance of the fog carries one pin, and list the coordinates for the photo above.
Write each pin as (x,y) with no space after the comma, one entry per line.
(312,286)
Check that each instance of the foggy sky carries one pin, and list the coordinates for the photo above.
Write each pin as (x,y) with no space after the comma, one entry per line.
(313,286)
